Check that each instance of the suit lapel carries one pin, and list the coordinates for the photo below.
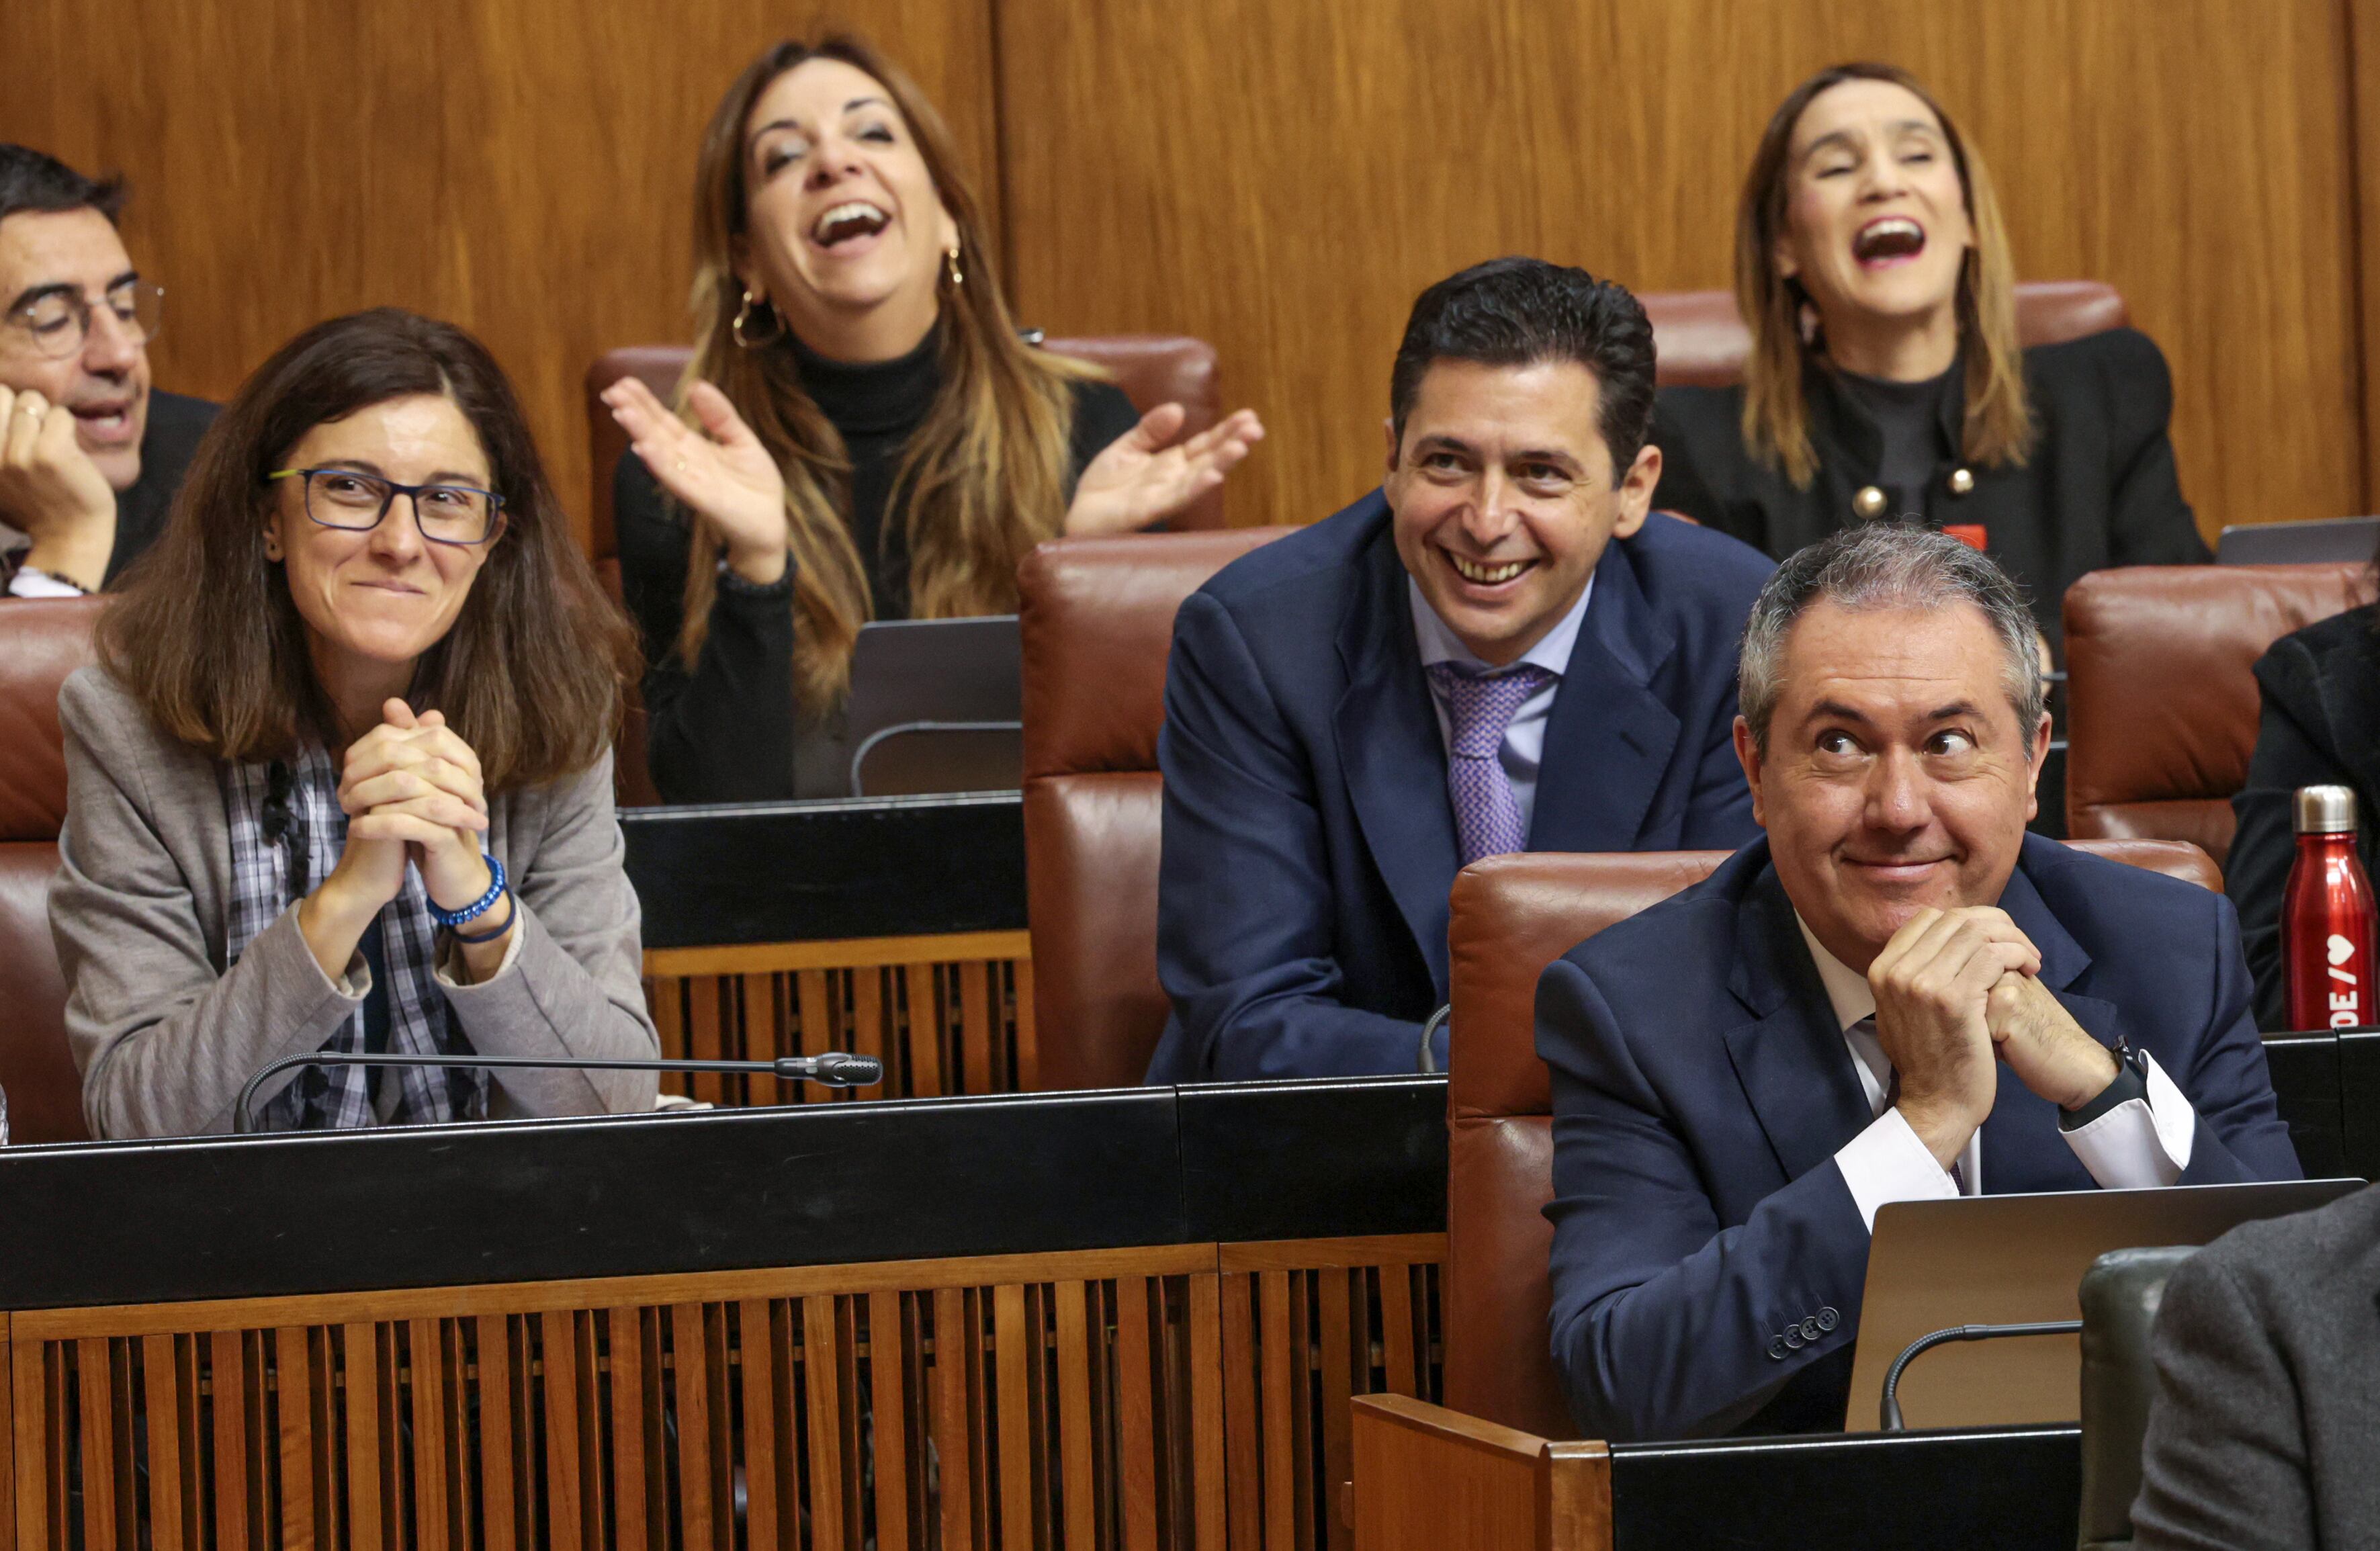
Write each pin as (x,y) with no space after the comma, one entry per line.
(1609,738)
(1795,1069)
(1394,757)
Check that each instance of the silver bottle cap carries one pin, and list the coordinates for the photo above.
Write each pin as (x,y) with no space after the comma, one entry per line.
(2325,810)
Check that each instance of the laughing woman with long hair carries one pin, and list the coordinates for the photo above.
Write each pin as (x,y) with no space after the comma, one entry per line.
(863,434)
(1886,379)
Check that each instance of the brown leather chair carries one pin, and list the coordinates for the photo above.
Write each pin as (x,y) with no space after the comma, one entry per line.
(1097,623)
(1512,915)
(2161,695)
(1701,340)
(40,643)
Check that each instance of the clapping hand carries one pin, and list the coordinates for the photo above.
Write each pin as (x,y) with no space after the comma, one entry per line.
(719,472)
(1145,476)
(51,489)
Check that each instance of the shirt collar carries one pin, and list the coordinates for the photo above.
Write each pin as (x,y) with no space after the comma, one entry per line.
(1847,988)
(1440,643)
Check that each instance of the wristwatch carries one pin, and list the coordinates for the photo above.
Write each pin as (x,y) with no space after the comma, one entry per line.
(2132,1081)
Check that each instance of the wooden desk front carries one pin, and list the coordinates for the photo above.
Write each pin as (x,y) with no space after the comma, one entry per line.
(1095,1320)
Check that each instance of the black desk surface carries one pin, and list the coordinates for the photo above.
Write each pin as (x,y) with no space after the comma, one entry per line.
(724,1190)
(810,1184)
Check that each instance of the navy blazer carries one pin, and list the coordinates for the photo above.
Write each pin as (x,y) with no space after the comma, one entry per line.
(1309,842)
(1701,1087)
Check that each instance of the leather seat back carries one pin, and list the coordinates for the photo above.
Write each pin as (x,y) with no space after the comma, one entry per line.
(1701,342)
(2161,697)
(1512,916)
(2120,1297)
(40,643)
(1097,624)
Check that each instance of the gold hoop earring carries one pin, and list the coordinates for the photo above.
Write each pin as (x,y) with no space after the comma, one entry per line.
(744,315)
(951,266)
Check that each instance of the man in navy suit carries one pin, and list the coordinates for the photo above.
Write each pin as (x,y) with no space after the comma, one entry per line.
(1499,649)
(1897,995)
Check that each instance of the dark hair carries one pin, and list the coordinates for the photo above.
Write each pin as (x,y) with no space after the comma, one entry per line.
(1520,312)
(207,637)
(37,181)
(1886,566)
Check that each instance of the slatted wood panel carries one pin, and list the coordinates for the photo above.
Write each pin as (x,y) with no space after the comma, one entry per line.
(1148,1399)
(951,1015)
(1307,1325)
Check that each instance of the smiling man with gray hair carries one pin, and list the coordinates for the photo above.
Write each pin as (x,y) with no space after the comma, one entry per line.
(1897,994)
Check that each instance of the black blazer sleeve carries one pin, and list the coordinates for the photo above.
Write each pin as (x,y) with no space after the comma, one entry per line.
(722,732)
(2298,743)
(1102,413)
(1702,452)
(2148,522)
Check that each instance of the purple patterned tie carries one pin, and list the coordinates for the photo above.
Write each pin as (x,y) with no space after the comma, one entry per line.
(1479,707)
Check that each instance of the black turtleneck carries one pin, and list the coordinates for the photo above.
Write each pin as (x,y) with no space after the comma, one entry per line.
(1908,418)
(876,407)
(725,731)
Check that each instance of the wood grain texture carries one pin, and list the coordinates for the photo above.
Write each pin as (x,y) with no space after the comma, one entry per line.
(523,170)
(1082,1398)
(945,1013)
(1282,180)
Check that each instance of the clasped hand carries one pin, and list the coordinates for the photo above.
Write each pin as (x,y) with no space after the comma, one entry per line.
(1956,994)
(411,790)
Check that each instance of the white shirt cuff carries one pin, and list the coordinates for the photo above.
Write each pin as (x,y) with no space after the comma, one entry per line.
(29,583)
(1887,1162)
(2142,1144)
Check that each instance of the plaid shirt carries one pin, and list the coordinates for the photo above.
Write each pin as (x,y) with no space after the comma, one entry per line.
(268,876)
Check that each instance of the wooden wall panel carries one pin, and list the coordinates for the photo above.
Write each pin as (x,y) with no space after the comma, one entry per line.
(523,169)
(1282,179)
(1278,179)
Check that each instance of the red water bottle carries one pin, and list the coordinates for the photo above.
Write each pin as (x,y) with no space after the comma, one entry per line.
(2329,929)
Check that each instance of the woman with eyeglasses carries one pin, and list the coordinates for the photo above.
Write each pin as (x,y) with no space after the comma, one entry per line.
(1885,378)
(342,780)
(864,435)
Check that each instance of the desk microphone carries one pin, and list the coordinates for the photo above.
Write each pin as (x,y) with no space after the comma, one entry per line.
(833,1069)
(1888,1412)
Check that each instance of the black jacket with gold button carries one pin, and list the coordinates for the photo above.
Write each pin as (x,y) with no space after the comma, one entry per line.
(2097,490)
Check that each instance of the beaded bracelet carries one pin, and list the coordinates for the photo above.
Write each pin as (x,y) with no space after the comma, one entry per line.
(450,920)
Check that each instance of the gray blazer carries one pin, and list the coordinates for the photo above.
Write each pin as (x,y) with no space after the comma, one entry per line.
(2266,1423)
(164,1033)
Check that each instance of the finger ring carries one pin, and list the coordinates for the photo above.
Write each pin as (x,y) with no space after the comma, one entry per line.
(680,465)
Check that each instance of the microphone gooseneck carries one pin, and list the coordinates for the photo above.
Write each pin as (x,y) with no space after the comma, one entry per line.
(834,1069)
(1888,1410)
